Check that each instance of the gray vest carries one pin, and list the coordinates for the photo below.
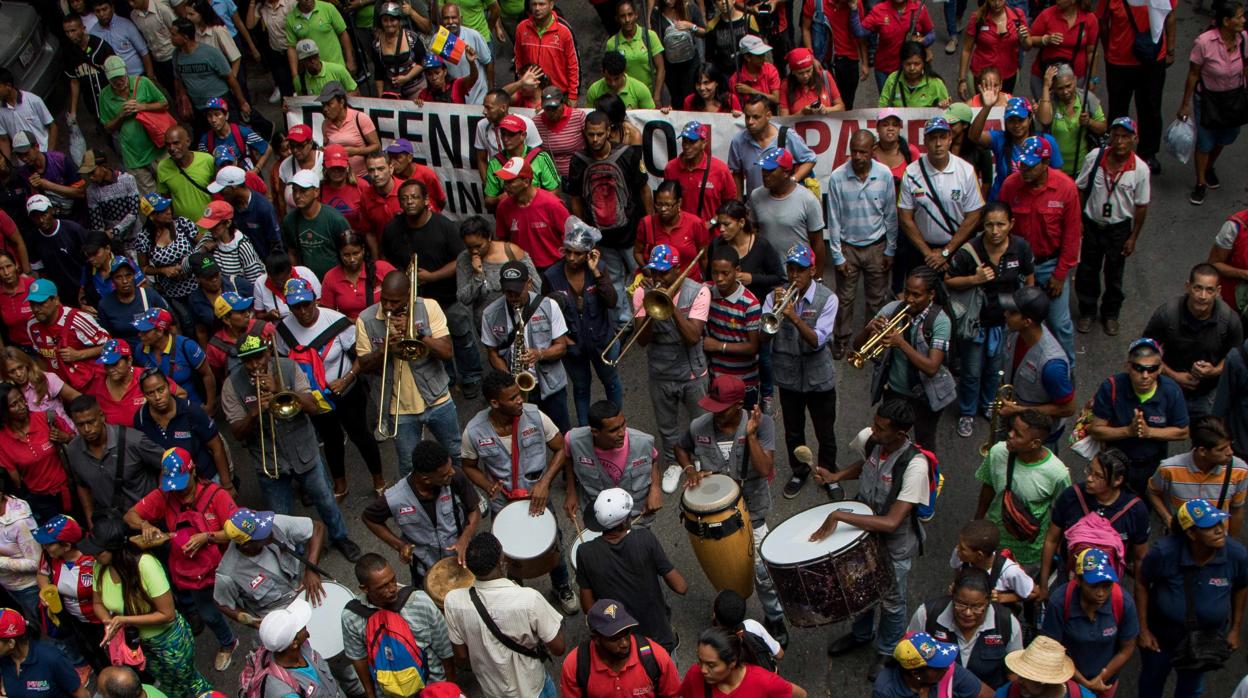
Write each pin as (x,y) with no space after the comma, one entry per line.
(874,486)
(1026,377)
(325,685)
(430,541)
(296,440)
(495,461)
(592,479)
(737,466)
(496,323)
(261,589)
(670,358)
(429,373)
(795,364)
(940,390)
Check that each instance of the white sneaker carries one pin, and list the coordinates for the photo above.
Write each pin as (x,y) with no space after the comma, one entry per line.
(951,46)
(276,96)
(671,478)
(568,602)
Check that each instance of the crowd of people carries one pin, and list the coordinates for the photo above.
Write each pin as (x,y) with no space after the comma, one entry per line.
(201,266)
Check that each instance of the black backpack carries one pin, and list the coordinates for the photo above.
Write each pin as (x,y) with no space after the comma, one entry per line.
(644,652)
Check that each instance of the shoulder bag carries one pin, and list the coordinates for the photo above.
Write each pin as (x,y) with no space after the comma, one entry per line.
(1200,649)
(536,653)
(1016,517)
(1220,109)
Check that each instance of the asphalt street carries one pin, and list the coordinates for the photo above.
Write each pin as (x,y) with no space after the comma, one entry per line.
(1177,235)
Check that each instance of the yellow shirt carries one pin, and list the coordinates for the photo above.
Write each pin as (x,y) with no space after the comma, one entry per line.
(410,400)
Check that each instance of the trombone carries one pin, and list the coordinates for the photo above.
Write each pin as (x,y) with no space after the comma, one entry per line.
(410,348)
(873,348)
(658,305)
(771,321)
(284,405)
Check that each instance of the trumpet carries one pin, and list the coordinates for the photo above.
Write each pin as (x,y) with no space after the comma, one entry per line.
(772,321)
(284,405)
(525,379)
(1004,394)
(873,348)
(658,305)
(410,348)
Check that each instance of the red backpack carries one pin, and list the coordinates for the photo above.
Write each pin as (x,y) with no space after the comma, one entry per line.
(604,189)
(199,570)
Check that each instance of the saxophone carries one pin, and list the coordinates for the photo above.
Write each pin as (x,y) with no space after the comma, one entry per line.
(525,379)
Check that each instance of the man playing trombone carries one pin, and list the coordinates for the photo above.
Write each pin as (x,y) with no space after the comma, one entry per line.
(267,401)
(417,392)
(803,316)
(525,335)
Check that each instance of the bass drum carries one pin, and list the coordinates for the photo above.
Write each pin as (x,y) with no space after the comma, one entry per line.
(530,543)
(325,626)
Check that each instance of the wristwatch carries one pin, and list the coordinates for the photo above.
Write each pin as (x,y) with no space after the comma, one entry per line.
(944,252)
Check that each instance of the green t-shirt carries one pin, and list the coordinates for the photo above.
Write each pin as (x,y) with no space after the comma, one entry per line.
(1065,130)
(314,239)
(1037,484)
(151,691)
(472,13)
(306,84)
(137,149)
(323,27)
(636,53)
(930,92)
(154,581)
(512,9)
(635,93)
(900,372)
(545,174)
(365,17)
(189,201)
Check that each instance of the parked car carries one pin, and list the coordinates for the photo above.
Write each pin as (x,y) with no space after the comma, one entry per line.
(29,50)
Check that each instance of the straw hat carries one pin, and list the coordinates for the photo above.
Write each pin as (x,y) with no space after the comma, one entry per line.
(1043,661)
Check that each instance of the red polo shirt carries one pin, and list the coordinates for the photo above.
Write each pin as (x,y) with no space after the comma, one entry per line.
(1047,217)
(844,44)
(121,410)
(686,237)
(719,187)
(346,200)
(892,28)
(824,91)
(433,187)
(338,293)
(536,227)
(377,209)
(632,680)
(993,49)
(553,50)
(767,80)
(1121,34)
(71,330)
(34,457)
(159,507)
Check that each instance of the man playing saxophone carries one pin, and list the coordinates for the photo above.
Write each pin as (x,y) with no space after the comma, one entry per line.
(1034,362)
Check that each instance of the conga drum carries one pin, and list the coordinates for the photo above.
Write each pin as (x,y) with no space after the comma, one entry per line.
(530,543)
(829,581)
(446,574)
(718,524)
(325,625)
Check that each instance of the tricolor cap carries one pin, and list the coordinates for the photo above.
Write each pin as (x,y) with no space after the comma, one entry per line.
(663,258)
(1017,108)
(612,507)
(58,529)
(1094,567)
(1124,122)
(154,319)
(250,345)
(433,60)
(515,168)
(608,618)
(800,58)
(120,261)
(774,158)
(217,103)
(222,154)
(229,176)
(176,469)
(216,212)
(1201,514)
(1035,150)
(40,291)
(229,302)
(398,146)
(920,650)
(154,203)
(38,202)
(114,350)
(513,124)
(335,155)
(305,179)
(935,124)
(246,525)
(694,131)
(12,624)
(298,291)
(801,255)
(299,133)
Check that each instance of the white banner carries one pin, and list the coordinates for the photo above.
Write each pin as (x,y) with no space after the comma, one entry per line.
(444,134)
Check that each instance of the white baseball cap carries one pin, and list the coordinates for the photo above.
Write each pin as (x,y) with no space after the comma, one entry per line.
(279,628)
(231,176)
(612,507)
(306,179)
(753,45)
(38,202)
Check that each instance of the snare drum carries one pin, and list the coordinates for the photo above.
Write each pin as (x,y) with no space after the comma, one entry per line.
(584,537)
(446,574)
(325,626)
(718,524)
(829,581)
(530,543)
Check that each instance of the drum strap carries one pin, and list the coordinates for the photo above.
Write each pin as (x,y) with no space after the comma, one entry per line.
(515,454)
(306,562)
(716,530)
(536,653)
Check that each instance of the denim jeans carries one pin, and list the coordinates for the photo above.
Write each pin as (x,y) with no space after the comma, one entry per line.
(977,385)
(880,78)
(548,689)
(578,368)
(1155,669)
(279,496)
(766,379)
(621,267)
(893,616)
(954,9)
(464,343)
(768,598)
(443,423)
(1059,322)
(201,600)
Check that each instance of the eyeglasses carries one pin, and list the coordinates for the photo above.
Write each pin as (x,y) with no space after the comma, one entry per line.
(969,608)
(1145,368)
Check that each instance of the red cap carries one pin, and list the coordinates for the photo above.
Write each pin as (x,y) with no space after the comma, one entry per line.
(513,168)
(335,156)
(216,212)
(12,624)
(301,133)
(513,124)
(725,391)
(800,58)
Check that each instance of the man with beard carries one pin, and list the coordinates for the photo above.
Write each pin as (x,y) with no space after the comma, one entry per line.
(617,660)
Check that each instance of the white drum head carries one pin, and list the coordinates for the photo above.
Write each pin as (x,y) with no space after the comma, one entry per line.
(716,492)
(524,537)
(790,544)
(325,626)
(585,537)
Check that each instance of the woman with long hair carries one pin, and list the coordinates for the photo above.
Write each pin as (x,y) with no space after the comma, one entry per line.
(673,226)
(355,283)
(28,451)
(892,149)
(44,392)
(132,593)
(163,247)
(723,670)
(914,84)
(710,93)
(995,36)
(398,53)
(210,29)
(681,26)
(809,89)
(477,267)
(761,267)
(15,312)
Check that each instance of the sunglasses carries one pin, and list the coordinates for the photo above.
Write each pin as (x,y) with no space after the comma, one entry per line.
(1144,368)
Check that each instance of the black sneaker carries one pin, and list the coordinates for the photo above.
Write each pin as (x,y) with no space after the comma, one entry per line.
(349,549)
(1198,195)
(778,631)
(834,491)
(470,391)
(794,485)
(845,644)
(1211,179)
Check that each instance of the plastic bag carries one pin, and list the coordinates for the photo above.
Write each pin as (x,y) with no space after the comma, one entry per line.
(1180,140)
(77,144)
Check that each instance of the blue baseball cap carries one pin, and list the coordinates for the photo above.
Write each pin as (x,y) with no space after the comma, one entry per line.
(177,468)
(936,123)
(1094,567)
(58,529)
(433,60)
(663,258)
(217,103)
(1035,150)
(40,291)
(154,203)
(1124,122)
(1017,107)
(694,131)
(120,261)
(1201,514)
(298,291)
(920,651)
(231,302)
(154,319)
(246,525)
(801,255)
(224,153)
(774,158)
(114,350)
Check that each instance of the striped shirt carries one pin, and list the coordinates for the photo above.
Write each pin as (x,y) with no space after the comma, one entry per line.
(731,320)
(1178,481)
(562,139)
(860,213)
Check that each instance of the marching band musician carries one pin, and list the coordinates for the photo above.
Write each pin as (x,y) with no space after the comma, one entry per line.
(1035,363)
(261,570)
(422,385)
(802,364)
(673,351)
(605,455)
(509,451)
(741,444)
(291,444)
(545,339)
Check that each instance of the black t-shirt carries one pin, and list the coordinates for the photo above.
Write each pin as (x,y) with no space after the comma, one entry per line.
(1015,265)
(1188,339)
(625,234)
(87,65)
(1132,526)
(436,244)
(629,572)
(379,512)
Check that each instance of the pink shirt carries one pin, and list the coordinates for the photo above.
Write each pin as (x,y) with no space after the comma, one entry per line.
(52,403)
(351,133)
(615,461)
(700,310)
(1219,69)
